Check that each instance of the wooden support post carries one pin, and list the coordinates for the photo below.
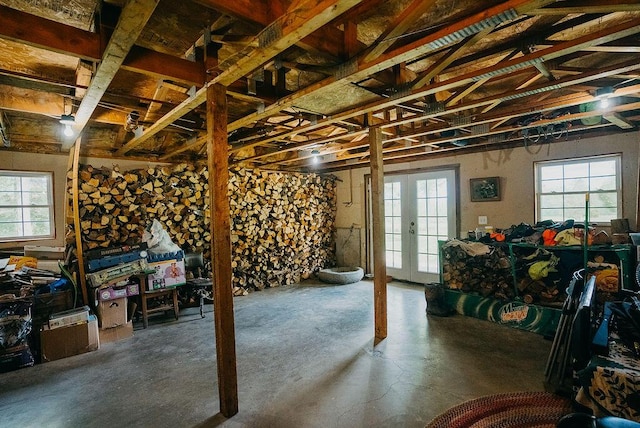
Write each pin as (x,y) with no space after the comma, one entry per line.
(82,280)
(379,262)
(218,163)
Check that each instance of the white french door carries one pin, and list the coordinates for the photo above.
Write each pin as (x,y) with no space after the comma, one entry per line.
(420,210)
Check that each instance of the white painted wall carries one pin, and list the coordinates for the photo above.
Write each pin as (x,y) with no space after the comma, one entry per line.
(515,167)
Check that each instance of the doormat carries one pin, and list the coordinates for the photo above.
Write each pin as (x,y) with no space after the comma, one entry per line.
(512,410)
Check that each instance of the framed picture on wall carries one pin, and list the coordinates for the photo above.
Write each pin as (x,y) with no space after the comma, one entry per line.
(485,189)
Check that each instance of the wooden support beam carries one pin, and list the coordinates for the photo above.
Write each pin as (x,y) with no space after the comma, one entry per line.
(401,54)
(397,28)
(501,68)
(450,57)
(65,39)
(325,41)
(218,164)
(618,120)
(132,20)
(301,19)
(77,228)
(379,258)
(51,35)
(31,101)
(589,6)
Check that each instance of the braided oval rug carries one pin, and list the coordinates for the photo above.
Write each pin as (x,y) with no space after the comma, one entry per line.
(511,410)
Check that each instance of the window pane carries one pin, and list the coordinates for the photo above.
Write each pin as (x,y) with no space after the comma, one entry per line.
(397,225)
(602,200)
(574,170)
(603,168)
(35,198)
(443,227)
(36,228)
(421,189)
(442,187)
(26,205)
(396,190)
(551,172)
(561,187)
(603,183)
(10,198)
(10,215)
(602,214)
(576,185)
(8,230)
(9,183)
(551,186)
(432,190)
(388,191)
(551,201)
(551,214)
(397,207)
(574,201)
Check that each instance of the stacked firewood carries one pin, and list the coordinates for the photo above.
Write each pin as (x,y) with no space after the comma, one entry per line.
(491,274)
(488,274)
(281,224)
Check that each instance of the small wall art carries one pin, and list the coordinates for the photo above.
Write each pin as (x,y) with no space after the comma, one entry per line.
(485,189)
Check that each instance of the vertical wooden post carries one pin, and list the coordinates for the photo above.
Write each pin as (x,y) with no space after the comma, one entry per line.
(379,258)
(82,280)
(218,163)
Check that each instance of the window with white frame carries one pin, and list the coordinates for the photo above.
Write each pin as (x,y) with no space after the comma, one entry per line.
(561,187)
(26,205)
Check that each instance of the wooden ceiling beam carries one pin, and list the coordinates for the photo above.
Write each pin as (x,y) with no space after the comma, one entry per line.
(164,66)
(132,20)
(355,72)
(603,36)
(325,40)
(453,54)
(507,113)
(31,101)
(300,20)
(50,35)
(618,120)
(397,28)
(589,7)
(42,33)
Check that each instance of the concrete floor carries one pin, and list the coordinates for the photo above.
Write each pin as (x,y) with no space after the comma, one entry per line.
(305,359)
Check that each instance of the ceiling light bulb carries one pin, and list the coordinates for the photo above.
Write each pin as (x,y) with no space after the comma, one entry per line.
(315,160)
(68,132)
(604,103)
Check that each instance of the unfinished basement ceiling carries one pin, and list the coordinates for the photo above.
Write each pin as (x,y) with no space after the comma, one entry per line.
(307,79)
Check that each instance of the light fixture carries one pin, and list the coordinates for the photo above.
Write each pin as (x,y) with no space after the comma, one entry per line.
(604,94)
(315,158)
(67,120)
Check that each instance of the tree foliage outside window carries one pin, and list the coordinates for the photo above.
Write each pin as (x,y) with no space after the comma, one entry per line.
(561,187)
(26,205)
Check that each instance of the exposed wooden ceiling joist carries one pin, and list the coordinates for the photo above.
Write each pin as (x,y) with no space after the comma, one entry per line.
(301,20)
(130,24)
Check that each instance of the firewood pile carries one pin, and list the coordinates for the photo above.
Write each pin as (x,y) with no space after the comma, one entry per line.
(486,274)
(538,273)
(282,225)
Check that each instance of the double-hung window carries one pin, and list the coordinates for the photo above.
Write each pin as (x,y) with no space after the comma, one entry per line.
(26,205)
(561,187)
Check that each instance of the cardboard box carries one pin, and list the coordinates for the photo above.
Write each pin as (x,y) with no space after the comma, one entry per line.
(68,341)
(166,274)
(112,313)
(72,316)
(111,293)
(116,333)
